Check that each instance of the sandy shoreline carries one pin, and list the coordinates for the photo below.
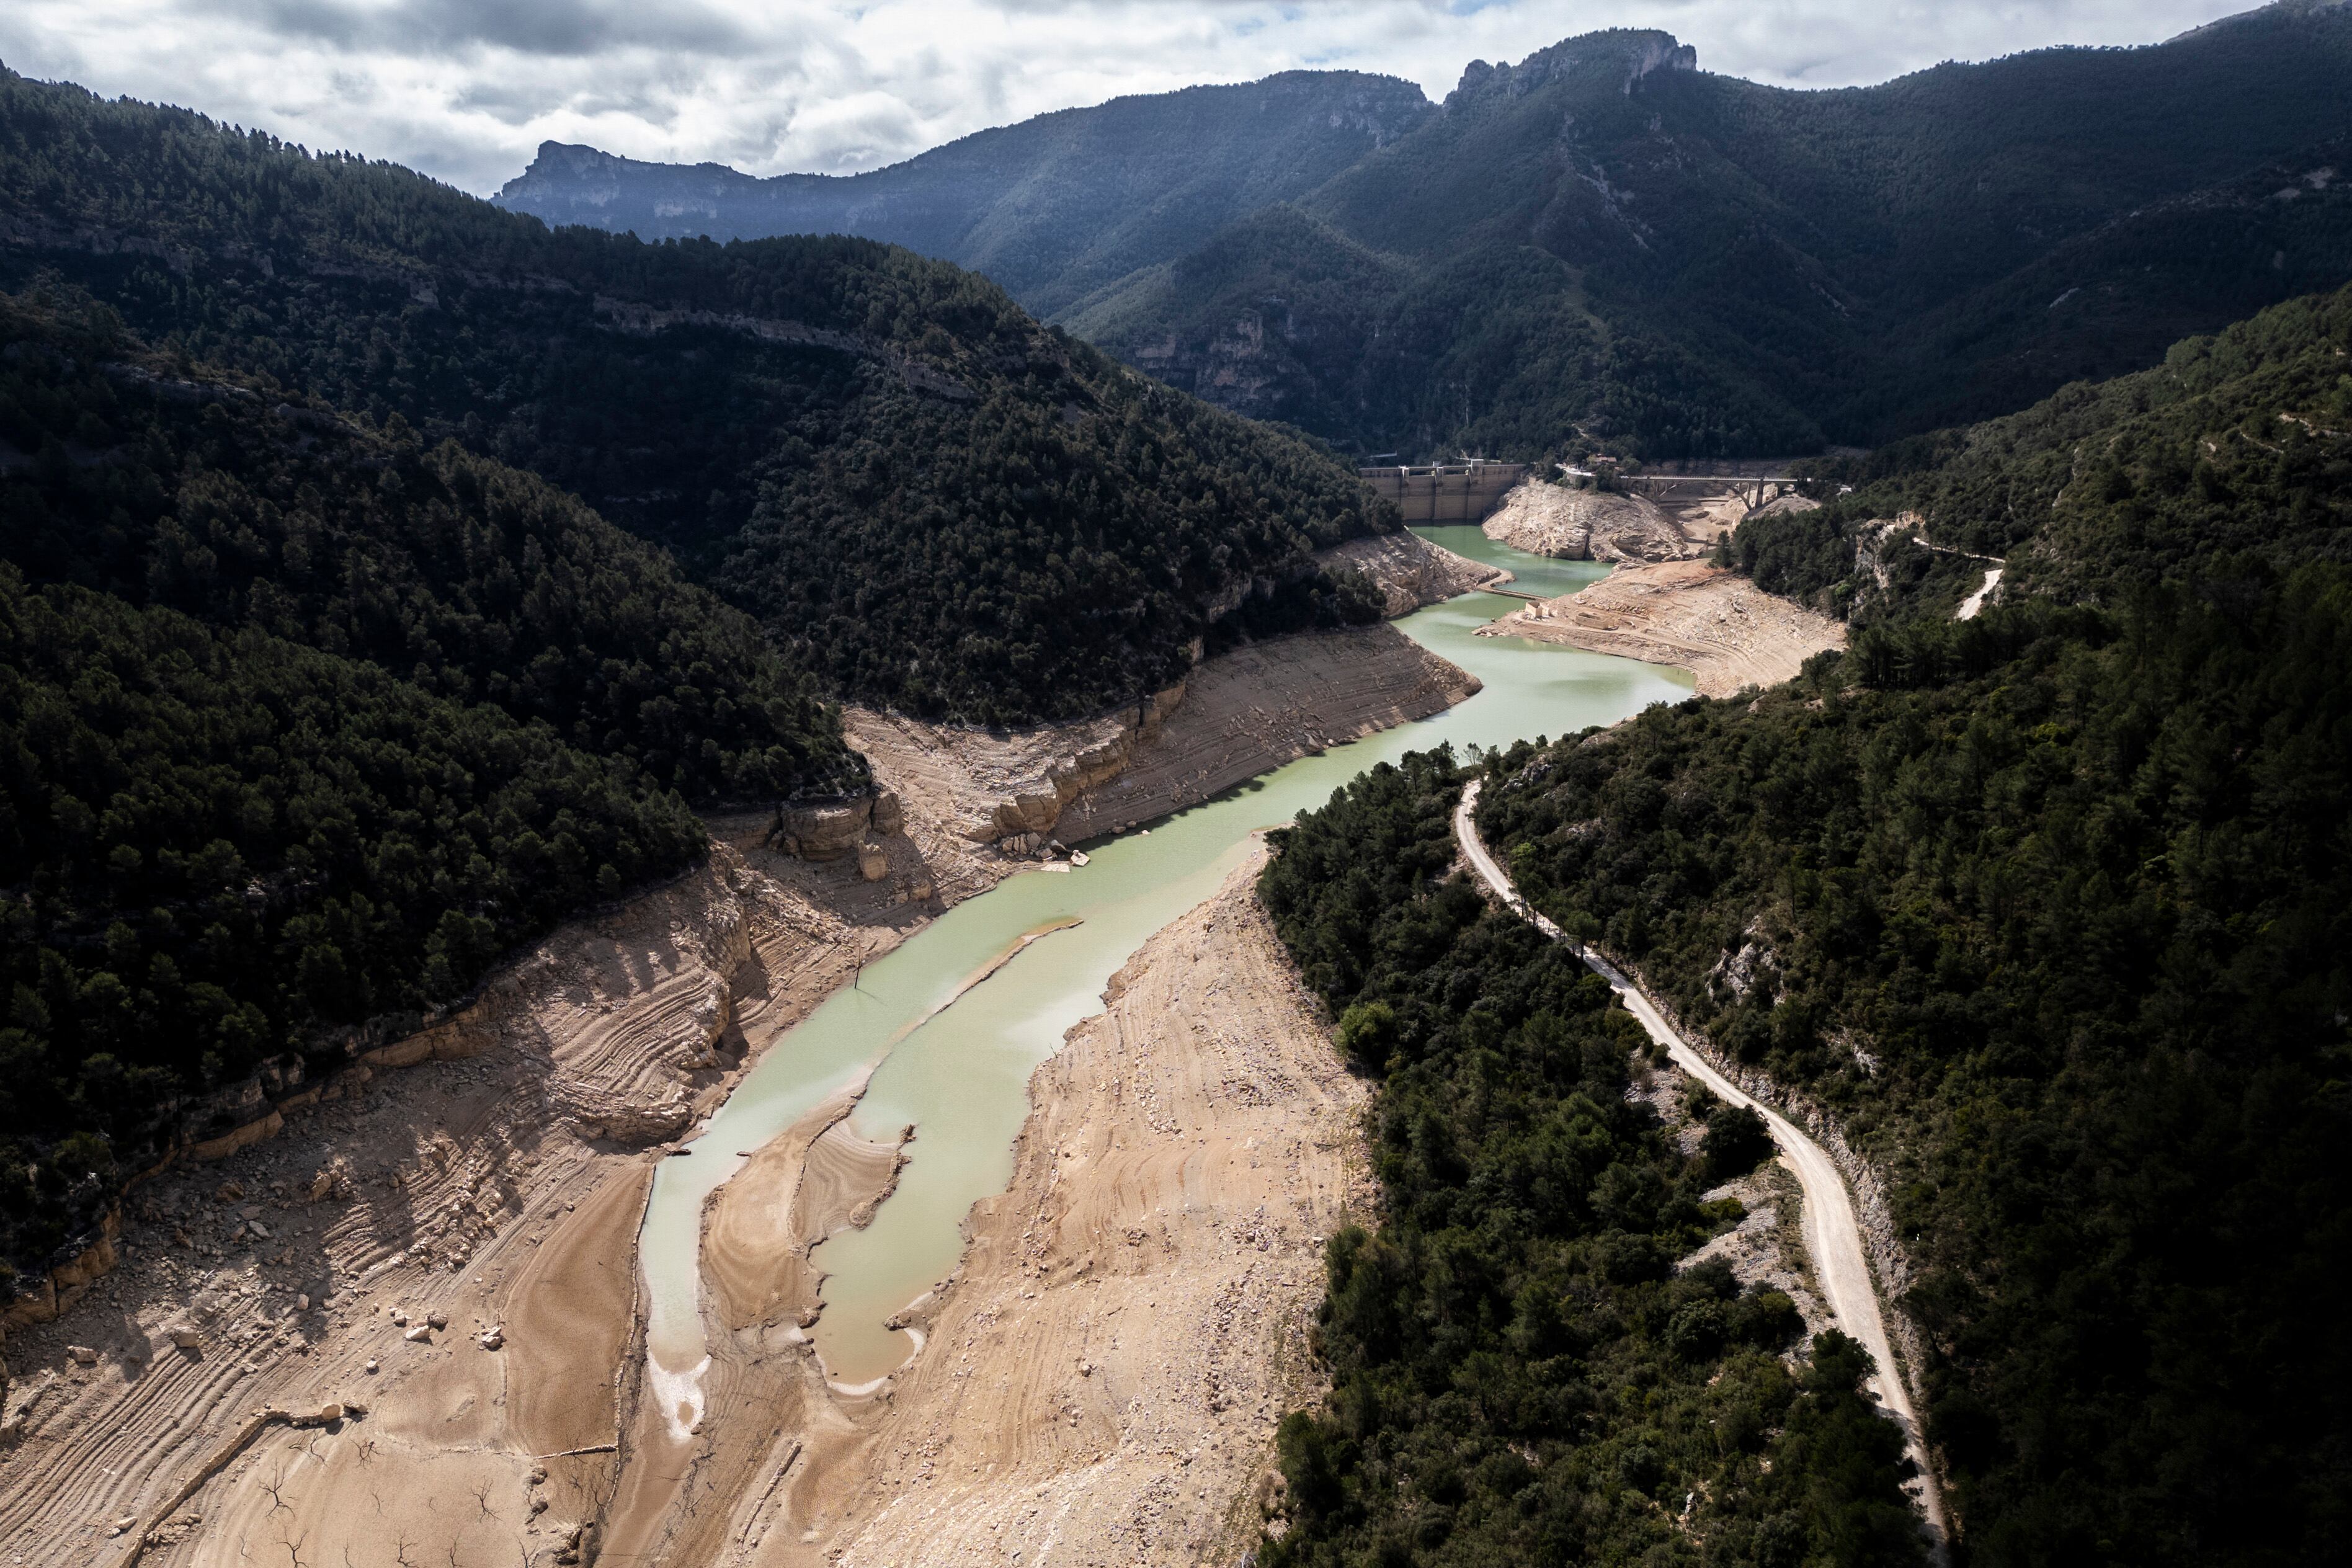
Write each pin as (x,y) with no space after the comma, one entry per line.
(1714,623)
(502,1190)
(1103,1372)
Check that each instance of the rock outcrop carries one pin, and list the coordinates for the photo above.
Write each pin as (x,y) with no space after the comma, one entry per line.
(1004,788)
(1265,705)
(1716,624)
(1588,525)
(1409,570)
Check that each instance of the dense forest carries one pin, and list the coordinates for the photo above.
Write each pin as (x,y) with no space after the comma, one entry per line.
(932,499)
(1520,1373)
(302,724)
(2050,909)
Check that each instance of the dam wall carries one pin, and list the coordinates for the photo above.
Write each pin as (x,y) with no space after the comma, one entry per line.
(1445,493)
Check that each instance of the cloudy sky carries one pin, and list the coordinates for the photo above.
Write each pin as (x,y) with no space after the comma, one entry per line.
(467,89)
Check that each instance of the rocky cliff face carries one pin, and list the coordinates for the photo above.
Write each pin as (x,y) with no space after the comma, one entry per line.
(1634,52)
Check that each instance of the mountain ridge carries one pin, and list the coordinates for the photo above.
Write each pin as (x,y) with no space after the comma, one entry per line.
(977,200)
(1703,266)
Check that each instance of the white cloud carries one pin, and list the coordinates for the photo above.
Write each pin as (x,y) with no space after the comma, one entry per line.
(467,89)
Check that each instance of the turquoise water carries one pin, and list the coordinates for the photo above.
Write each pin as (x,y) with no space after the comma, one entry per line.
(960,1074)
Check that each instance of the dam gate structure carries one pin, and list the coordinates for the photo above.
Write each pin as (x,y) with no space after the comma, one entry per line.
(1445,493)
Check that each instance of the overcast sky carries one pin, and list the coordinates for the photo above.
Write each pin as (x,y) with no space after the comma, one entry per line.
(467,89)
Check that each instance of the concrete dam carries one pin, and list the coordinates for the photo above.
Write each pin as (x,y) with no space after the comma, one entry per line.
(1445,493)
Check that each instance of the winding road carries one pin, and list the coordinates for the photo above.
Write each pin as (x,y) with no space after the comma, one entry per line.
(1832,1235)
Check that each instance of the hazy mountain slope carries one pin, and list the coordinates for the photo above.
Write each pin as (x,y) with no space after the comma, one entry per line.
(936,501)
(1604,239)
(1845,265)
(301,726)
(1050,208)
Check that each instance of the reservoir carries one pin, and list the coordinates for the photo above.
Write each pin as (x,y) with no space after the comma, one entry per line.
(960,1073)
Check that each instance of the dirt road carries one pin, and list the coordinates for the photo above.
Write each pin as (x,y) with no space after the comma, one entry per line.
(1832,1235)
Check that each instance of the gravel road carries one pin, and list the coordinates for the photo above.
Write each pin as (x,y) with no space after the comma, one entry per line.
(1833,1237)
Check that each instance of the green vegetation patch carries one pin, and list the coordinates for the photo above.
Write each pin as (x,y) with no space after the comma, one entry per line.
(1521,1373)
(2238,445)
(2048,907)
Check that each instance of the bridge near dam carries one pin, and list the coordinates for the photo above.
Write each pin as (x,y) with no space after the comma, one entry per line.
(1755,489)
(1467,491)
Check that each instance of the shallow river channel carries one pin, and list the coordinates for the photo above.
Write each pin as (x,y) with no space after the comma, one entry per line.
(960,1073)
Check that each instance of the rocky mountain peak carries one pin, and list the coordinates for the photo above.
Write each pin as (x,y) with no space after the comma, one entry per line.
(1634,51)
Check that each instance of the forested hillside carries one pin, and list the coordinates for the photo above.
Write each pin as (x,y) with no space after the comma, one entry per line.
(1712,267)
(2050,909)
(932,500)
(1602,245)
(303,724)
(1521,1373)
(2236,445)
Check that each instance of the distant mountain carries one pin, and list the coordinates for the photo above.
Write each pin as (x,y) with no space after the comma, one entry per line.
(1604,244)
(1050,208)
(928,499)
(1604,240)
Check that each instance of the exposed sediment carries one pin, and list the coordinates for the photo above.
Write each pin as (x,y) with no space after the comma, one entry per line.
(1410,571)
(1259,706)
(1101,1376)
(498,1187)
(974,796)
(1712,622)
(971,796)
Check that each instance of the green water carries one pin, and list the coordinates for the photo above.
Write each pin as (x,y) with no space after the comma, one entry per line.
(960,1076)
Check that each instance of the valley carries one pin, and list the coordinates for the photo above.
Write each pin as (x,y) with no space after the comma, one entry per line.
(840,869)
(500,1191)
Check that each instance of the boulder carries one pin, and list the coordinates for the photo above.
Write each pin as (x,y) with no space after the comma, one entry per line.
(1028,811)
(822,832)
(624,1121)
(82,1355)
(184,1336)
(872,863)
(889,813)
